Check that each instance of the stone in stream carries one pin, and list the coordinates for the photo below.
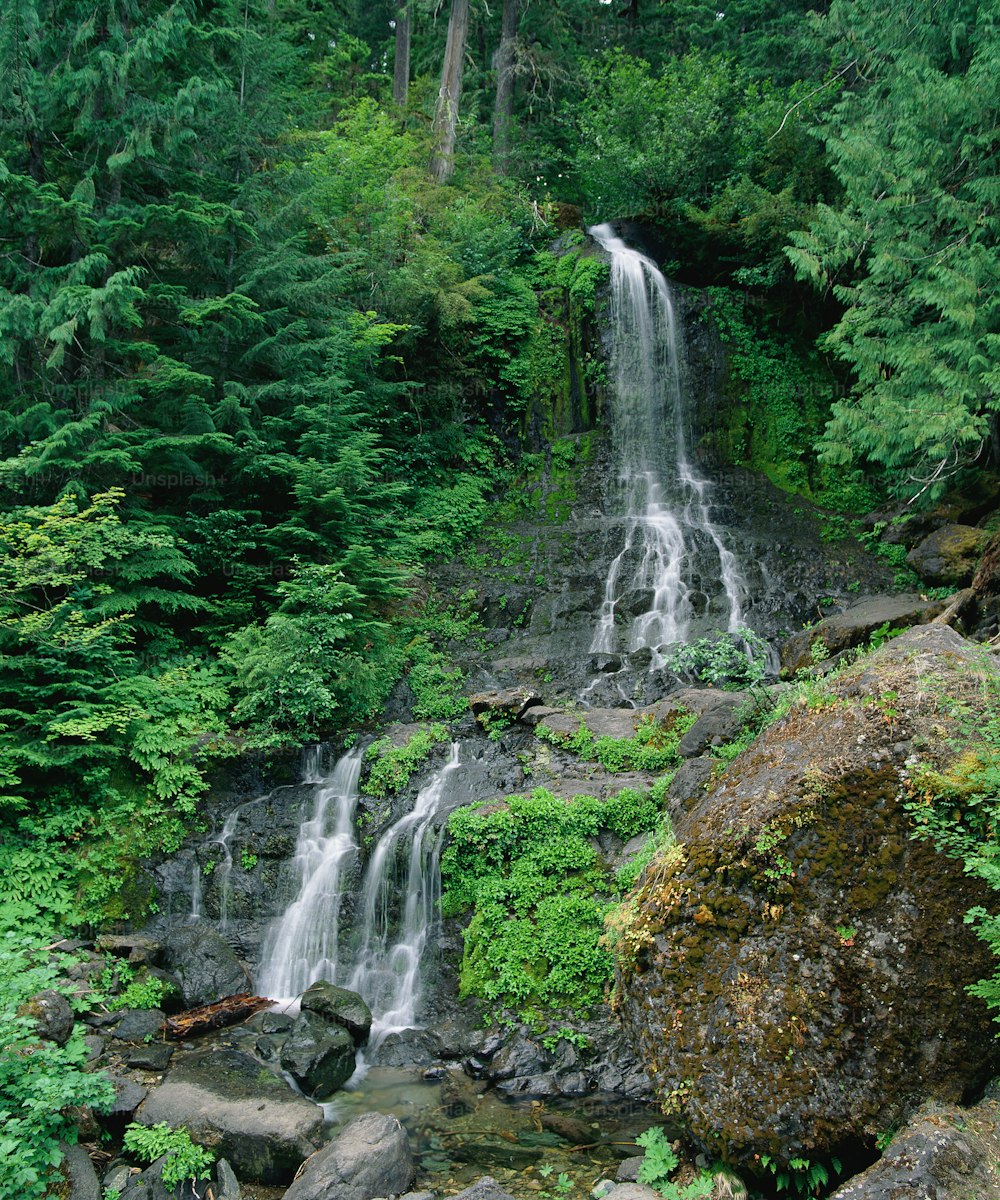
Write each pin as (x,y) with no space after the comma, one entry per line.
(340,1006)
(369,1157)
(318,1055)
(799,963)
(240,1109)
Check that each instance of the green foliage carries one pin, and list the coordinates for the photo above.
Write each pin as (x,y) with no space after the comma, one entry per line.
(732,660)
(134,990)
(532,879)
(659,1162)
(800,1176)
(910,249)
(185,1160)
(39,1081)
(391,766)
(653,748)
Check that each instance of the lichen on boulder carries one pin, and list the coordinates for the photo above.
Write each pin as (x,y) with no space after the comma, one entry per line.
(793,971)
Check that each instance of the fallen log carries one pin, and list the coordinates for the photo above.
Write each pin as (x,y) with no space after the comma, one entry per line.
(227,1011)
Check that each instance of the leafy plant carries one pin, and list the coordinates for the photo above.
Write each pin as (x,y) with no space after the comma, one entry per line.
(800,1175)
(659,1161)
(391,766)
(185,1160)
(731,660)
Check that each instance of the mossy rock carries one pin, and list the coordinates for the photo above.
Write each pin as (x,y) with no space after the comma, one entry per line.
(948,556)
(794,974)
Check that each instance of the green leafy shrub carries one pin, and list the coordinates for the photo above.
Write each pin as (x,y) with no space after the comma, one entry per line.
(392,766)
(729,660)
(135,990)
(659,1162)
(653,748)
(185,1160)
(39,1081)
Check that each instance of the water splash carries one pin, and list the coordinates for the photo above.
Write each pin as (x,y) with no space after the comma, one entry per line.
(670,539)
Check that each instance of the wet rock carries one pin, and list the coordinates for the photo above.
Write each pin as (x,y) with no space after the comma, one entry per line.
(340,1006)
(570,1129)
(855,627)
(151,1058)
(688,785)
(78,1171)
(318,1055)
(227,1186)
(139,1025)
(408,1047)
(486,1188)
(128,1096)
(237,1107)
(940,1154)
(52,1015)
(520,1057)
(815,1035)
(94,1044)
(369,1157)
(507,705)
(136,948)
(204,963)
(719,724)
(948,556)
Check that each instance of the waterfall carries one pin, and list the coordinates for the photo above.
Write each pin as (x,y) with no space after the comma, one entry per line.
(303,944)
(671,547)
(396,910)
(404,868)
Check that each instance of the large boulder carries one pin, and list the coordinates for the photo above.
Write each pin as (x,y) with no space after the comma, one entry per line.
(340,1006)
(942,1153)
(369,1157)
(204,964)
(854,628)
(231,1103)
(794,970)
(53,1017)
(318,1055)
(948,556)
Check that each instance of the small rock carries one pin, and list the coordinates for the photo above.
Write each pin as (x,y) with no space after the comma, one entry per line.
(318,1056)
(139,1025)
(227,1186)
(628,1170)
(632,1191)
(151,1058)
(485,1188)
(340,1006)
(116,1178)
(52,1015)
(128,1096)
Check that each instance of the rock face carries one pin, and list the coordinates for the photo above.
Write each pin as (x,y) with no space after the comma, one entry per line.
(794,970)
(941,1154)
(340,1006)
(855,627)
(204,964)
(369,1157)
(948,556)
(237,1107)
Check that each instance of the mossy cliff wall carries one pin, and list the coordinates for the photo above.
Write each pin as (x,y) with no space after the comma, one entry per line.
(793,973)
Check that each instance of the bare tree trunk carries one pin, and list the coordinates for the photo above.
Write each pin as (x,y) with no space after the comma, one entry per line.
(503,110)
(446,109)
(401,62)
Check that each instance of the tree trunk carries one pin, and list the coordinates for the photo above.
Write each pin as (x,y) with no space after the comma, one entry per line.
(503,110)
(446,109)
(401,62)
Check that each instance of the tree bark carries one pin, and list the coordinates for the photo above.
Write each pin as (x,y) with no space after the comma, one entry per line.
(401,61)
(503,110)
(450,93)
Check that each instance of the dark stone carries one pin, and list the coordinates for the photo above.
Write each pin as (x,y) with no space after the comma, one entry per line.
(719,724)
(628,1170)
(236,1106)
(151,1058)
(815,1037)
(318,1055)
(128,1096)
(520,1056)
(227,1186)
(139,1025)
(78,1171)
(687,788)
(204,963)
(948,556)
(136,948)
(940,1154)
(52,1015)
(369,1157)
(116,1178)
(538,714)
(340,1006)
(272,1022)
(408,1047)
(508,705)
(855,627)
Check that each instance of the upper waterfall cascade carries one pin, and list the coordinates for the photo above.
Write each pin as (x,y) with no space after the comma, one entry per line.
(674,564)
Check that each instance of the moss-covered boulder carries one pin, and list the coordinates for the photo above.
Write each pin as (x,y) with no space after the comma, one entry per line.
(948,556)
(793,971)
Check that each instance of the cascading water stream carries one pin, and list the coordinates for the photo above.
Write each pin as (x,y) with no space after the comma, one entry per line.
(668,528)
(303,945)
(387,969)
